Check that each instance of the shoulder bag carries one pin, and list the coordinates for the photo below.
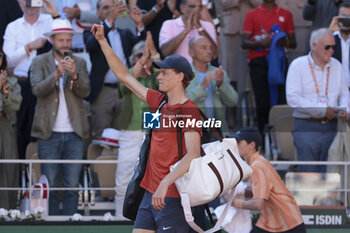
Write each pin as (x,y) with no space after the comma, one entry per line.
(218,170)
(134,193)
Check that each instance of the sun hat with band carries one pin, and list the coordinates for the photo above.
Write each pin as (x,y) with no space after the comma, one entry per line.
(60,26)
(109,137)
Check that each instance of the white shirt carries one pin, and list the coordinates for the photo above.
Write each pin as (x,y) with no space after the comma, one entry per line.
(62,123)
(19,33)
(116,44)
(301,90)
(345,52)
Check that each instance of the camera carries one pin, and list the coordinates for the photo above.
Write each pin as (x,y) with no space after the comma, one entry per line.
(34,3)
(67,55)
(344,22)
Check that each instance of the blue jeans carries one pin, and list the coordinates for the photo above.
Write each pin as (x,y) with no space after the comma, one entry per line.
(62,146)
(312,141)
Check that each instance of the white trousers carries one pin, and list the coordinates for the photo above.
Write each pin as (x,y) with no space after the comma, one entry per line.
(130,144)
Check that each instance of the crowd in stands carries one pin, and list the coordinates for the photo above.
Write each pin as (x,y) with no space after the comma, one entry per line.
(288,52)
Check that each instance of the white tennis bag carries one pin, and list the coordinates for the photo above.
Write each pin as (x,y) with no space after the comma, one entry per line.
(210,176)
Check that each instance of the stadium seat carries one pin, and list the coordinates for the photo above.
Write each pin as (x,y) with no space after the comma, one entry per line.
(32,153)
(278,134)
(104,174)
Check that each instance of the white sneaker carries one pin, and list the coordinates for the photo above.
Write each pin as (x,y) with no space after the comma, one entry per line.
(121,218)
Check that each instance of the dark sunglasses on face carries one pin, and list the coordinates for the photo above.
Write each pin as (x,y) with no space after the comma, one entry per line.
(139,55)
(1,55)
(327,47)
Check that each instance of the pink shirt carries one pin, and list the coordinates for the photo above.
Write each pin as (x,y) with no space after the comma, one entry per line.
(173,27)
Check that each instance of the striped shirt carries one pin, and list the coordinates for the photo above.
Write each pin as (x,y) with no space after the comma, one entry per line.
(280,211)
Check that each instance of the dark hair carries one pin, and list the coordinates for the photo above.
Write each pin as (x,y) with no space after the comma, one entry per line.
(98,4)
(345,5)
(186,80)
(183,2)
(249,134)
(4,61)
(256,145)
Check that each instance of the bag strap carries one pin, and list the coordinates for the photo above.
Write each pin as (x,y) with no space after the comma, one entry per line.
(211,219)
(180,154)
(212,129)
(162,103)
(179,142)
(185,202)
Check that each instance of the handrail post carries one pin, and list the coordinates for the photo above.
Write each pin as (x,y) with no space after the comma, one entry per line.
(346,184)
(30,183)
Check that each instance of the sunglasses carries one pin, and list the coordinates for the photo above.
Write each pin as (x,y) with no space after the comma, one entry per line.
(139,55)
(327,47)
(1,55)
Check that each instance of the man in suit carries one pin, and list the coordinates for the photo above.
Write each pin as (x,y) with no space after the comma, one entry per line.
(60,82)
(9,11)
(104,98)
(342,41)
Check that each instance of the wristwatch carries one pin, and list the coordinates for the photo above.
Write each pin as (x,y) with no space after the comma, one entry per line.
(157,56)
(56,17)
(154,9)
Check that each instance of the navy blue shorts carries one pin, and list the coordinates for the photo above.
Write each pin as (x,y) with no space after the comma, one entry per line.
(170,219)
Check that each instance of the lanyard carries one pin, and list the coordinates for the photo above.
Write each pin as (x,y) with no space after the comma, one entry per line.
(315,81)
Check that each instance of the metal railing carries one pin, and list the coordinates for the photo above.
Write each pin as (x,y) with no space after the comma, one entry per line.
(30,188)
(30,163)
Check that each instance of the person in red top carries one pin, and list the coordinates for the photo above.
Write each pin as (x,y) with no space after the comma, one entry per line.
(164,140)
(160,209)
(257,38)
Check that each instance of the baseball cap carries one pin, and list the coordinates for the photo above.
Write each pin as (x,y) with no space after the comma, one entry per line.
(250,135)
(176,62)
